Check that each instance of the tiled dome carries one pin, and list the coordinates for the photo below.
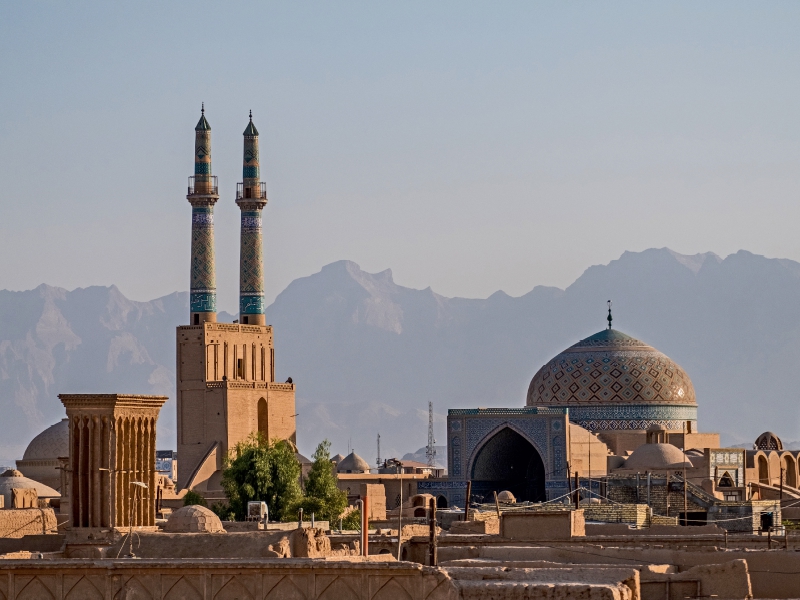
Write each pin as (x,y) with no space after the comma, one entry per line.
(612,369)
(193,519)
(50,444)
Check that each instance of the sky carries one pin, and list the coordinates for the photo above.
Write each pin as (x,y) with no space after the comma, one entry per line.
(467,146)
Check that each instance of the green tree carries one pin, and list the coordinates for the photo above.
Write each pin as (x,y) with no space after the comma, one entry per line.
(191,498)
(322,496)
(259,470)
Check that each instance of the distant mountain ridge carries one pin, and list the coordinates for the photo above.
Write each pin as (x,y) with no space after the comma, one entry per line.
(367,354)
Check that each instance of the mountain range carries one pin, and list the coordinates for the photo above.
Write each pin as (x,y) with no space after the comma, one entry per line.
(368,355)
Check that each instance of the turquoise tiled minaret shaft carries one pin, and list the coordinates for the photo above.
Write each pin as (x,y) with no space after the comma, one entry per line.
(251,196)
(203,194)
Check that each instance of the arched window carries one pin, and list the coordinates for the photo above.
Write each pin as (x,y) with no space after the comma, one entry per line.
(763,470)
(789,471)
(263,419)
(726,480)
(441,502)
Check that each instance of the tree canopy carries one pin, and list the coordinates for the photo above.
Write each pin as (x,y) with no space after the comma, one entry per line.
(322,496)
(259,470)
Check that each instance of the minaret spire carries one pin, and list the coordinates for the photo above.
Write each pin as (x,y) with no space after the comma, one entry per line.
(251,196)
(202,195)
(608,318)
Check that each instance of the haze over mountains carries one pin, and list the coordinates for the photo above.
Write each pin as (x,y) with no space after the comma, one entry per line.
(367,354)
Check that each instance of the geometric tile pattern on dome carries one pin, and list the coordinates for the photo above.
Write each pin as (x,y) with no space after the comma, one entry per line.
(610,368)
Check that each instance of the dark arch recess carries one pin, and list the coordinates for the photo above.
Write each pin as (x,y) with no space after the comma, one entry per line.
(508,462)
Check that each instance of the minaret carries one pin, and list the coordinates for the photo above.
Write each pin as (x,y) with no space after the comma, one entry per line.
(203,194)
(251,196)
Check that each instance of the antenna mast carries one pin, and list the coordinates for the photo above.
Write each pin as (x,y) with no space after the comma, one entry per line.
(379,451)
(430,451)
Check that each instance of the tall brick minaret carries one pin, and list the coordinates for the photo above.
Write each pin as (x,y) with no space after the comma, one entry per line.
(251,196)
(203,194)
(226,389)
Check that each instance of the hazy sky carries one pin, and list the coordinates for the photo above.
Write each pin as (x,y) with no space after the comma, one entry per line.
(468,146)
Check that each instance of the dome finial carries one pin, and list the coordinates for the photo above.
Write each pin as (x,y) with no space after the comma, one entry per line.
(608,318)
(202,108)
(251,115)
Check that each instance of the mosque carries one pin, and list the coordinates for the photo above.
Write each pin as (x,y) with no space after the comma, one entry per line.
(603,415)
(608,410)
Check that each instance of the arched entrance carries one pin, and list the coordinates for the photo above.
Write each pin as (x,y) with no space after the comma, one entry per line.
(508,462)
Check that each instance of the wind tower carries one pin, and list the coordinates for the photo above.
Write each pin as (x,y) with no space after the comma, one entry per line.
(251,196)
(430,451)
(202,195)
(226,389)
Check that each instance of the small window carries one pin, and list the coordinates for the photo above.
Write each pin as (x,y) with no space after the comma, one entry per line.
(239,368)
(197,319)
(244,320)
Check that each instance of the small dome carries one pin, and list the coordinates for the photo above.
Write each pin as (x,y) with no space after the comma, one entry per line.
(13,479)
(193,519)
(656,457)
(507,497)
(768,441)
(50,444)
(337,459)
(352,463)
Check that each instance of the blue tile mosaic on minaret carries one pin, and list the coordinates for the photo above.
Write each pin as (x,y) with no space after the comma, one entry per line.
(202,195)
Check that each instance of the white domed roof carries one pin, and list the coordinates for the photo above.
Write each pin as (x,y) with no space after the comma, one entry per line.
(12,479)
(193,519)
(353,463)
(656,457)
(50,444)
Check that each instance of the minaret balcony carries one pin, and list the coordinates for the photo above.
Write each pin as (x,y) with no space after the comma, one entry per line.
(251,192)
(203,185)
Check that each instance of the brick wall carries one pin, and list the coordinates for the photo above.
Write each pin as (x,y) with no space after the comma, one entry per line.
(16,523)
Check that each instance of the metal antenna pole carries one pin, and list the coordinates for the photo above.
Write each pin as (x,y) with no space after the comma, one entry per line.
(430,451)
(379,451)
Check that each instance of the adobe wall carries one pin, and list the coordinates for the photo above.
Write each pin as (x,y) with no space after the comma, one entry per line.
(238,545)
(19,522)
(268,579)
(773,573)
(542,525)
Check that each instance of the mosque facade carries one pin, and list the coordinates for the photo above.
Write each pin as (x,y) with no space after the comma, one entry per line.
(598,398)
